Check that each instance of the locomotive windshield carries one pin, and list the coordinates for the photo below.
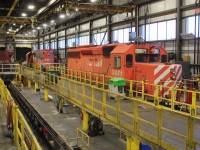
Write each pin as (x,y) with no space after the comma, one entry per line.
(147,58)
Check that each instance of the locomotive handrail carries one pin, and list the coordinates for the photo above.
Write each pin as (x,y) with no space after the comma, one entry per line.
(70,86)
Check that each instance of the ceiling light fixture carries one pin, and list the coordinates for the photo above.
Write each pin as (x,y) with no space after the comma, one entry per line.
(93,1)
(31,6)
(62,16)
(76,9)
(14,24)
(23,14)
(52,21)
(33,30)
(38,28)
(44,25)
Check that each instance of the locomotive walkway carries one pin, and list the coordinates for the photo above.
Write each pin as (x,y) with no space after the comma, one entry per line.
(155,125)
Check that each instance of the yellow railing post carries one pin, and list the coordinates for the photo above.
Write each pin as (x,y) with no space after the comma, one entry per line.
(156,98)
(190,134)
(103,80)
(85,120)
(131,89)
(132,143)
(46,93)
(143,90)
(16,137)
(36,87)
(159,126)
(118,109)
(135,122)
(29,83)
(90,78)
(93,98)
(104,103)
(172,98)
(193,109)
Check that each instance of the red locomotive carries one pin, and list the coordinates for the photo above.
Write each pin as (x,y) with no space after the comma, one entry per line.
(6,57)
(40,56)
(139,62)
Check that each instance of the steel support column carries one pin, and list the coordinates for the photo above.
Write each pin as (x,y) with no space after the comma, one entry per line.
(179,29)
(109,29)
(136,20)
(90,32)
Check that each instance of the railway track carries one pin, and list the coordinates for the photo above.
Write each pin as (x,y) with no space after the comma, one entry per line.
(51,137)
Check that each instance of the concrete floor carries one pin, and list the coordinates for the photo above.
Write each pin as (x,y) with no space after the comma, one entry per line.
(66,124)
(5,142)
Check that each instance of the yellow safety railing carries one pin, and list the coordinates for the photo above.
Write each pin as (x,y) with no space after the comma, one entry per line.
(23,135)
(130,114)
(82,139)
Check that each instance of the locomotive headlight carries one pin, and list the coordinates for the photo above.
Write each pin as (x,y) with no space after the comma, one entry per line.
(173,74)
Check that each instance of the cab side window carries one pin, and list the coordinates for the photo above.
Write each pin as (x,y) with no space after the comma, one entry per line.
(117,62)
(164,58)
(129,60)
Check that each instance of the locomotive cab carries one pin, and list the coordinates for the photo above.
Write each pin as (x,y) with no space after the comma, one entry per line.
(145,63)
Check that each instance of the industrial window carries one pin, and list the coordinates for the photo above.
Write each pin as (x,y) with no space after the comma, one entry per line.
(162,30)
(71,42)
(122,35)
(41,46)
(53,44)
(171,29)
(165,30)
(117,62)
(84,40)
(100,38)
(61,43)
(129,60)
(141,58)
(190,25)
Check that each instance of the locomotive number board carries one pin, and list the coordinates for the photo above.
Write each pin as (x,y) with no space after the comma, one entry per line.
(140,51)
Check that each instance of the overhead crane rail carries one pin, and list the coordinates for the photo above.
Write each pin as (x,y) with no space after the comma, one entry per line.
(132,122)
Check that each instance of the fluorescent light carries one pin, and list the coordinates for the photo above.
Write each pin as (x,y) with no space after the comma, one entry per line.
(44,25)
(52,21)
(76,9)
(93,1)
(62,16)
(31,6)
(33,30)
(7,32)
(38,28)
(23,14)
(26,34)
(14,24)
